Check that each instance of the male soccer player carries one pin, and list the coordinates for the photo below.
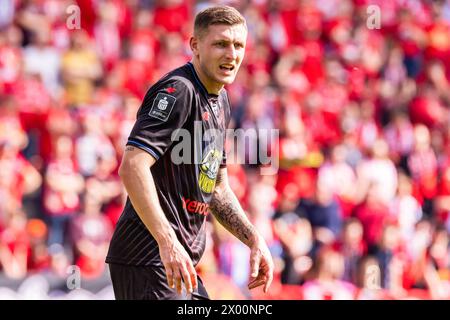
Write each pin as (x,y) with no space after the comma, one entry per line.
(160,236)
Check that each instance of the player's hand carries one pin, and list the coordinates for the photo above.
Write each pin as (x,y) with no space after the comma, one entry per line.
(261,266)
(178,266)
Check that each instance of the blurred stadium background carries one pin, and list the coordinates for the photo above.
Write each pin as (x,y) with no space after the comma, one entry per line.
(360,206)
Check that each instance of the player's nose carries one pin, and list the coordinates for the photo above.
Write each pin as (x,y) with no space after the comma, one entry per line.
(231,53)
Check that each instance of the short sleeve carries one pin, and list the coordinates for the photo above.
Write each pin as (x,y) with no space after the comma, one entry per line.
(165,108)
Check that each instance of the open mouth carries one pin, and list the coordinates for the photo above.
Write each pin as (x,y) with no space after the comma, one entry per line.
(226,67)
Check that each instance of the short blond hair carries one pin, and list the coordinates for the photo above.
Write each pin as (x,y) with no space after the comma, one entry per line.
(216,15)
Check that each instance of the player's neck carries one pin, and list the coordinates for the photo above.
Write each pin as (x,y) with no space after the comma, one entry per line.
(211,87)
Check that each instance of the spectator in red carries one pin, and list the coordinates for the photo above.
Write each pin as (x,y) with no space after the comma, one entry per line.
(39,257)
(334,93)
(372,46)
(11,63)
(427,108)
(104,186)
(237,179)
(373,213)
(443,197)
(422,164)
(91,232)
(58,121)
(59,33)
(416,252)
(323,132)
(172,16)
(132,76)
(15,246)
(18,176)
(63,186)
(422,272)
(33,99)
(438,40)
(135,72)
(299,155)
(106,33)
(172,52)
(289,73)
(143,41)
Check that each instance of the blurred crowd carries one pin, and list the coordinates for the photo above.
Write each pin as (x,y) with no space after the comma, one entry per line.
(359,208)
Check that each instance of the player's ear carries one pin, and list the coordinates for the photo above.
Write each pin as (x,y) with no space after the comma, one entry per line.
(193,42)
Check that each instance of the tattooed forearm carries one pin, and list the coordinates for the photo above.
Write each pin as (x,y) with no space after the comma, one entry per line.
(129,148)
(226,209)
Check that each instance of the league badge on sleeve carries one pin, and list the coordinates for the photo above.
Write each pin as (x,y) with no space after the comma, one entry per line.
(162,106)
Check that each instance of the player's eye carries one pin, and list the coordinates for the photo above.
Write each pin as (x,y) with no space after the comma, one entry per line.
(221,44)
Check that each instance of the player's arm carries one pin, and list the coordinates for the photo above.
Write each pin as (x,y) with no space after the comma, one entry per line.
(138,181)
(227,210)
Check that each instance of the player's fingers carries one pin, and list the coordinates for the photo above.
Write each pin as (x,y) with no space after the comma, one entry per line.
(269,280)
(254,265)
(259,280)
(186,278)
(256,283)
(259,277)
(169,275)
(193,275)
(177,279)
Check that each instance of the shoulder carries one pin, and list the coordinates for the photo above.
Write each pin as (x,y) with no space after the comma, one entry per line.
(174,87)
(176,82)
(173,92)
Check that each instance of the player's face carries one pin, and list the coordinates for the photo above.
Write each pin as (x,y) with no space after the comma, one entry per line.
(220,52)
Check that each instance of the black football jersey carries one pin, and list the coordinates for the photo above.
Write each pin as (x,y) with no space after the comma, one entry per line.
(183,128)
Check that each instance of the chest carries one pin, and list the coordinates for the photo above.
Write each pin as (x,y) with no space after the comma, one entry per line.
(211,113)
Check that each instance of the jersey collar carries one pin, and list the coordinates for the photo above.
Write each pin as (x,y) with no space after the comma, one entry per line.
(197,79)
